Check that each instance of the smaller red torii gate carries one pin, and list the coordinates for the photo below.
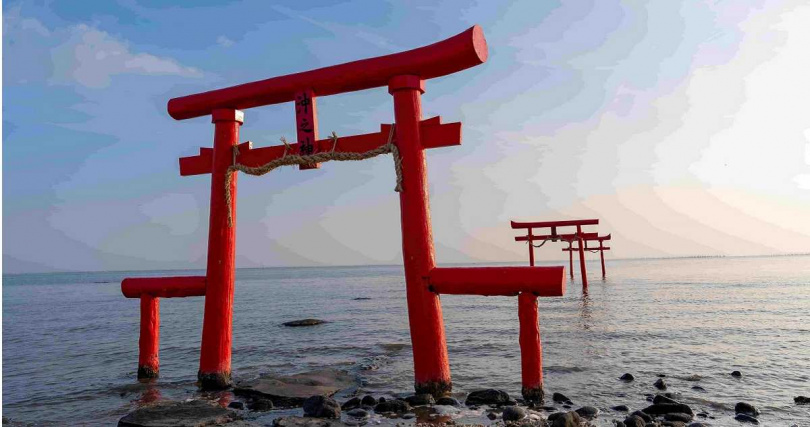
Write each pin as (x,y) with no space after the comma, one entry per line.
(602,248)
(554,236)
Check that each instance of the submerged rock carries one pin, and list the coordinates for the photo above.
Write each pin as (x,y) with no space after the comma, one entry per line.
(489,396)
(321,407)
(420,399)
(634,421)
(236,405)
(560,398)
(292,390)
(746,418)
(678,416)
(171,414)
(698,388)
(587,412)
(660,398)
(736,374)
(660,384)
(801,400)
(646,417)
(566,419)
(358,413)
(368,401)
(513,413)
(352,403)
(667,408)
(620,408)
(449,401)
(745,408)
(260,404)
(397,406)
(304,322)
(292,421)
(627,377)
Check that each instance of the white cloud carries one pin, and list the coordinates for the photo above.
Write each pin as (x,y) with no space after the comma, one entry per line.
(91,57)
(224,41)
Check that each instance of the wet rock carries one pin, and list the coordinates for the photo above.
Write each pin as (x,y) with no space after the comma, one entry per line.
(676,416)
(627,377)
(587,412)
(745,408)
(381,400)
(693,377)
(358,413)
(369,401)
(492,416)
(698,425)
(321,407)
(801,400)
(667,408)
(672,424)
(420,399)
(236,405)
(660,384)
(619,423)
(304,322)
(736,374)
(292,421)
(449,401)
(361,298)
(171,414)
(566,419)
(634,421)
(547,408)
(746,418)
(408,416)
(352,403)
(560,398)
(702,414)
(489,396)
(260,404)
(659,398)
(698,388)
(620,408)
(646,417)
(397,406)
(291,391)
(513,413)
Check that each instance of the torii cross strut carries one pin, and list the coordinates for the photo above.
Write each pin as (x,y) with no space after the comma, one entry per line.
(404,74)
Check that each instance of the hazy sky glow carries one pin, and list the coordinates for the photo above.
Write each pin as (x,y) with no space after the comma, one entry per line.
(684,127)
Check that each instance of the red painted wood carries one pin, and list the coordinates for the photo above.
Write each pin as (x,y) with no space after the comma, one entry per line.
(164,287)
(531,351)
(587,248)
(149,341)
(215,353)
(449,56)
(571,236)
(531,248)
(306,125)
(505,281)
(602,257)
(570,260)
(582,258)
(570,222)
(431,365)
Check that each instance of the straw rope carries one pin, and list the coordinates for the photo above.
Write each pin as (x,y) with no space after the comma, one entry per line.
(297,159)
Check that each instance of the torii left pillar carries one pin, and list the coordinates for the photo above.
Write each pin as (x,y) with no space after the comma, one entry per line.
(215,351)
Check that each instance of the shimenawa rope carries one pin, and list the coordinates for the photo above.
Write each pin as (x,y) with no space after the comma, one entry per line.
(297,159)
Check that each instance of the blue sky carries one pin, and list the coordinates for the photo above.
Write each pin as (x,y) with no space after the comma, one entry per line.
(683,127)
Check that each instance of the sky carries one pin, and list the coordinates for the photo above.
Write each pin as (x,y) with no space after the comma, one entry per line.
(683,126)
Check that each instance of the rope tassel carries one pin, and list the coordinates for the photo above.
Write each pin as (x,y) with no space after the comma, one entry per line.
(326,156)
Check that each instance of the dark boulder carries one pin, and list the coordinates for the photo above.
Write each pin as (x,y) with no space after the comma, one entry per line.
(660,384)
(634,421)
(667,408)
(627,377)
(513,413)
(560,398)
(746,418)
(398,406)
(492,416)
(801,400)
(293,421)
(660,398)
(646,417)
(420,399)
(489,397)
(352,403)
(745,408)
(236,405)
(260,404)
(698,388)
(369,401)
(191,413)
(587,412)
(620,408)
(567,419)
(676,416)
(321,407)
(358,413)
(736,374)
(447,400)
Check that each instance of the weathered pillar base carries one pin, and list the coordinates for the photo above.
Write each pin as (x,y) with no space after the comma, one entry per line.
(533,394)
(148,372)
(435,388)
(216,381)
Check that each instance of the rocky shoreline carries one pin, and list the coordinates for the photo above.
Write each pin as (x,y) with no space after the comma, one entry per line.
(307,400)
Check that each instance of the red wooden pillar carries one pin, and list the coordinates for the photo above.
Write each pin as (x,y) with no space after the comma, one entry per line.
(531,350)
(582,257)
(215,353)
(570,259)
(602,256)
(149,341)
(430,363)
(531,249)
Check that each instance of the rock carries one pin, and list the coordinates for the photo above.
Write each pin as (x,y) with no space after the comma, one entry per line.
(291,391)
(618,424)
(292,421)
(698,425)
(646,417)
(702,414)
(408,416)
(620,408)
(698,388)
(369,401)
(397,406)
(321,407)
(736,374)
(587,412)
(634,421)
(361,298)
(801,400)
(667,408)
(513,413)
(171,414)
(420,399)
(745,408)
(260,404)
(492,416)
(660,384)
(236,405)
(352,403)
(661,375)
(560,398)
(381,400)
(449,401)
(677,416)
(693,377)
(568,419)
(304,322)
(672,424)
(659,398)
(627,377)
(742,417)
(358,413)
(489,396)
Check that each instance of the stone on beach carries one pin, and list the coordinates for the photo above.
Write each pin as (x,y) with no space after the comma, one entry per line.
(667,408)
(447,400)
(179,414)
(736,374)
(634,421)
(627,377)
(398,406)
(321,407)
(745,408)
(513,413)
(746,418)
(678,416)
(293,421)
(292,390)
(368,401)
(801,400)
(352,403)
(489,396)
(620,408)
(565,419)
(420,399)
(304,322)
(560,398)
(587,412)
(660,384)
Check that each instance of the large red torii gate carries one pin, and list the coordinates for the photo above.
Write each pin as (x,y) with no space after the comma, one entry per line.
(404,74)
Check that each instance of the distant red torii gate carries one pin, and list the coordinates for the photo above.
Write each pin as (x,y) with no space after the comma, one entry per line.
(404,74)
(588,238)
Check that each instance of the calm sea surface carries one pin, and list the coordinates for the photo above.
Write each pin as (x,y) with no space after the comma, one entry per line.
(70,339)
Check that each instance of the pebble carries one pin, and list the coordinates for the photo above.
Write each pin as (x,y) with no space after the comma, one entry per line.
(399,406)
(746,418)
(358,413)
(588,412)
(667,408)
(369,401)
(567,419)
(642,415)
(660,398)
(736,374)
(561,398)
(660,384)
(634,421)
(513,413)
(746,408)
(321,407)
(698,388)
(491,416)
(352,403)
(621,408)
(236,405)
(627,377)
